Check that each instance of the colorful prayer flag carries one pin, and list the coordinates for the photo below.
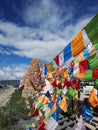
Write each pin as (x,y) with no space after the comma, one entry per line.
(92,31)
(77,44)
(80,125)
(63,104)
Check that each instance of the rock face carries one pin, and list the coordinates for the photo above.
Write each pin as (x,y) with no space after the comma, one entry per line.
(32,78)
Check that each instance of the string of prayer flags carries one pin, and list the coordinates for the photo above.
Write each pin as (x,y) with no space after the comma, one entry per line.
(77,44)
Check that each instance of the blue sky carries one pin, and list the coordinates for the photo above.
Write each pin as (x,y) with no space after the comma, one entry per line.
(38,29)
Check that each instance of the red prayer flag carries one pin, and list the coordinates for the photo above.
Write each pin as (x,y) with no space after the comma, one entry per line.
(56,59)
(95,74)
(83,65)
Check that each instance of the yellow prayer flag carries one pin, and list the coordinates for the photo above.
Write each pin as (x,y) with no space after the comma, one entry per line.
(53,108)
(93,100)
(66,74)
(80,57)
(77,44)
(63,104)
(54,98)
(92,52)
(49,68)
(80,76)
(45,100)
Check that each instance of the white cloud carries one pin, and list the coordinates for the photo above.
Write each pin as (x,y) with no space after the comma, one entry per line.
(13,72)
(1,73)
(48,39)
(45,14)
(27,41)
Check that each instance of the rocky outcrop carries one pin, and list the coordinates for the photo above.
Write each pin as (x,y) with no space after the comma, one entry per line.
(32,78)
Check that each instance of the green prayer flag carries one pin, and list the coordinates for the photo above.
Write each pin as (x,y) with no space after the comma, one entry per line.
(57,91)
(40,106)
(76,60)
(52,67)
(93,62)
(47,119)
(62,77)
(92,58)
(95,46)
(71,93)
(92,30)
(96,84)
(88,75)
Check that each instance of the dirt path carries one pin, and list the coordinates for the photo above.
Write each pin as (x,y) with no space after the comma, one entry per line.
(5,95)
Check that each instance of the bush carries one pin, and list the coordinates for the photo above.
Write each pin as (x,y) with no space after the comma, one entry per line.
(14,110)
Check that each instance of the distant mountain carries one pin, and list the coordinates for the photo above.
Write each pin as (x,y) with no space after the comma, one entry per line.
(10,82)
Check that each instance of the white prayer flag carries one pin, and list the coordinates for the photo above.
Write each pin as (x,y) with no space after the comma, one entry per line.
(52,124)
(80,125)
(61,59)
